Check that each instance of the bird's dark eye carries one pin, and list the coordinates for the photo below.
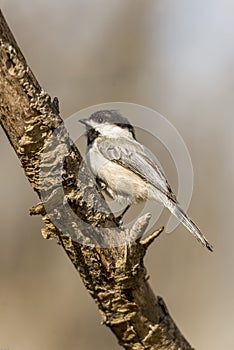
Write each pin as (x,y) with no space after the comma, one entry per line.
(100,119)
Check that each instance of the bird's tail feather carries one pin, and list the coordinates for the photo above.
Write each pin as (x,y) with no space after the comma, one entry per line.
(184,219)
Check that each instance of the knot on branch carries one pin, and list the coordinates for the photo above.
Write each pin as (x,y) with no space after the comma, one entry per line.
(137,247)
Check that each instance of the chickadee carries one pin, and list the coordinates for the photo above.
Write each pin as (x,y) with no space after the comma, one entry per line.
(125,168)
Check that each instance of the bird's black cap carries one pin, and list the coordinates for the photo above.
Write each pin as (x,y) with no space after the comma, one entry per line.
(112,116)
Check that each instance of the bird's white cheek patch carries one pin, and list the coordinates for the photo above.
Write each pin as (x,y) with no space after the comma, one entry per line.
(111,130)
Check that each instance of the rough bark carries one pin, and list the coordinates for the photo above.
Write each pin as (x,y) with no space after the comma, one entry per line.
(108,257)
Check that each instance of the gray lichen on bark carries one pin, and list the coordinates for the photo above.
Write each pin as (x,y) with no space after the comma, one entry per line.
(115,276)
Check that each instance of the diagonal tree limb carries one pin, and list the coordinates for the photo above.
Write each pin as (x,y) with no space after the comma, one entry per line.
(109,258)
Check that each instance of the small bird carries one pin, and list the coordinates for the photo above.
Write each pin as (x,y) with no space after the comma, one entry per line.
(125,169)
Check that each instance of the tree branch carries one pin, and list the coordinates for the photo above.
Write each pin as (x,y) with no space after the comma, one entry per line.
(109,258)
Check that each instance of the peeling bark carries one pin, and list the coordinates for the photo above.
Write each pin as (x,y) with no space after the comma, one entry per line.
(108,257)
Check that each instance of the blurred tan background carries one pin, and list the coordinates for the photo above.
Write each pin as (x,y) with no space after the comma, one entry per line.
(178,58)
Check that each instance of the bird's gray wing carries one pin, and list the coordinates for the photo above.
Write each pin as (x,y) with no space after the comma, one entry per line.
(135,157)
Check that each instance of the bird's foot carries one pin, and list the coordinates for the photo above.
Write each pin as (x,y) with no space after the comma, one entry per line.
(119,218)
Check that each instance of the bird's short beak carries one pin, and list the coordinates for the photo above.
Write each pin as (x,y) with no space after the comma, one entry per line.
(84,121)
